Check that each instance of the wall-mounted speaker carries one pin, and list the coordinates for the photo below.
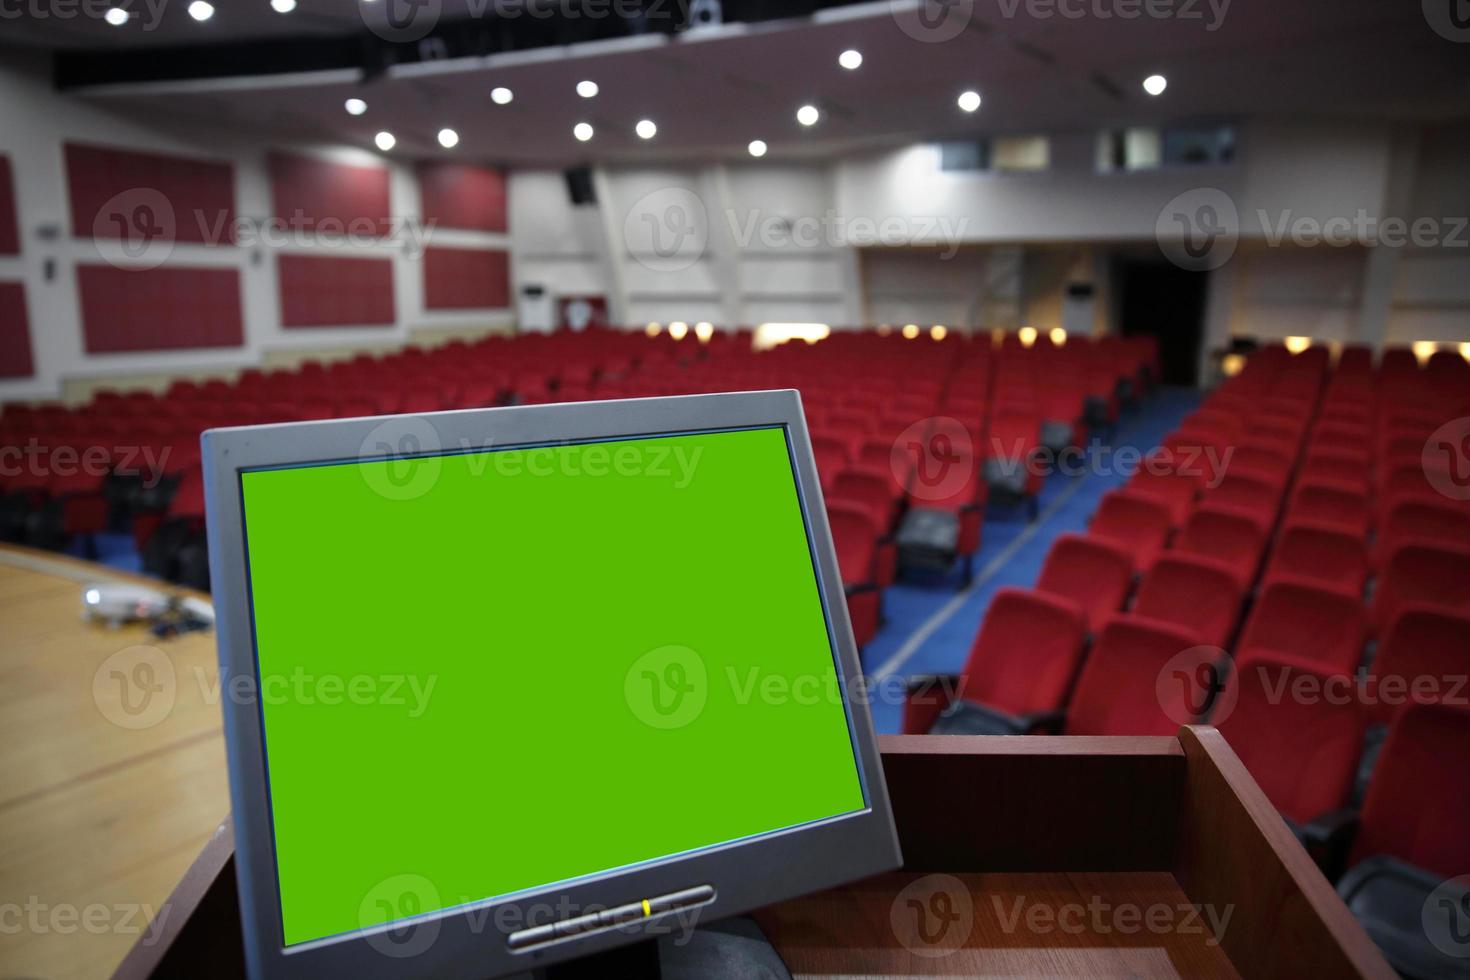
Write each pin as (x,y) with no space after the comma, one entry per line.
(579,186)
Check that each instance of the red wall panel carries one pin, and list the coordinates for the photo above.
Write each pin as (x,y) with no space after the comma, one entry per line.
(317,194)
(169,308)
(333,291)
(15,332)
(201,194)
(456,195)
(466,278)
(9,226)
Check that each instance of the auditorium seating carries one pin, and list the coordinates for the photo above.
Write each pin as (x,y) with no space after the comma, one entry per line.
(1125,688)
(1089,571)
(1135,522)
(1307,623)
(1236,538)
(1318,553)
(855,539)
(1195,593)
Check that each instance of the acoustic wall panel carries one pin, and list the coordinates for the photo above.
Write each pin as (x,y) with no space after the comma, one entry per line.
(122,194)
(169,308)
(9,224)
(456,195)
(335,291)
(322,196)
(15,332)
(466,279)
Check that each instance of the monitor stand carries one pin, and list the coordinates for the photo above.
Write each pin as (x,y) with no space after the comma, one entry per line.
(733,949)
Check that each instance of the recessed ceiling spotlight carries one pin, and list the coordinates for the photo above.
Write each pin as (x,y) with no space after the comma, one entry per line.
(587,89)
(808,115)
(283,6)
(117,16)
(200,10)
(448,138)
(757,148)
(355,107)
(583,131)
(385,140)
(850,59)
(646,129)
(1155,84)
(969,100)
(501,95)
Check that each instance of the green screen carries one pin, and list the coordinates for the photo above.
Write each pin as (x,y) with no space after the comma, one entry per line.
(490,671)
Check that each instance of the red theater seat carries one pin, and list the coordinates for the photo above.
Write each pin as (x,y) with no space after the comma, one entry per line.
(1174,489)
(1234,537)
(1320,554)
(1424,659)
(1306,623)
(871,488)
(1118,692)
(1424,575)
(1439,522)
(854,536)
(1253,492)
(1089,571)
(1137,523)
(1339,505)
(1192,592)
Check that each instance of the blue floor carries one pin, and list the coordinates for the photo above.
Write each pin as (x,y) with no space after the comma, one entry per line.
(930,626)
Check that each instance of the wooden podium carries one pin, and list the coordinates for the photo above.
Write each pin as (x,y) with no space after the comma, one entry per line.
(1025,856)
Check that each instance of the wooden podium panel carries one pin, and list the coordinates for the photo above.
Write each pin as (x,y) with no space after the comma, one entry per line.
(1025,856)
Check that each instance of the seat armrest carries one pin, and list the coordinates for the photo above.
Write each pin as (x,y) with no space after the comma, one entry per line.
(925,697)
(1328,838)
(1044,722)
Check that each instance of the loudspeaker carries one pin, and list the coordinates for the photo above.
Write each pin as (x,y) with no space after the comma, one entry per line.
(579,186)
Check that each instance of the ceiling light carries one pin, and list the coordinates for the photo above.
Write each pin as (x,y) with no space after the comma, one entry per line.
(355,107)
(200,10)
(645,129)
(652,329)
(587,89)
(1155,84)
(1027,336)
(969,100)
(910,331)
(808,115)
(704,330)
(385,141)
(939,331)
(1058,336)
(850,59)
(448,138)
(678,329)
(1298,344)
(117,17)
(1424,350)
(583,131)
(283,6)
(1465,351)
(501,95)
(757,148)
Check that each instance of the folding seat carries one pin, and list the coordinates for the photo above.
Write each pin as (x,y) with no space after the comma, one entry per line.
(1089,571)
(1339,436)
(1281,428)
(1134,522)
(1249,491)
(946,506)
(1337,505)
(1232,536)
(1164,477)
(1267,457)
(869,487)
(1302,752)
(1322,554)
(1010,458)
(1421,574)
(1196,593)
(1424,658)
(1411,840)
(1023,660)
(1311,624)
(831,455)
(855,537)
(1350,469)
(1409,481)
(1440,522)
(176,551)
(1125,687)
(1355,360)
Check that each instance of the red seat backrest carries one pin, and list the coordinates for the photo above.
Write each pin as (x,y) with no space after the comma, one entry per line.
(1025,654)
(854,537)
(1340,505)
(869,487)
(1118,692)
(1233,536)
(1133,521)
(1320,553)
(1307,623)
(1192,592)
(1089,571)
(1424,658)
(1421,574)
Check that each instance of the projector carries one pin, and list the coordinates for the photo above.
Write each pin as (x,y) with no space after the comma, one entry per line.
(116,603)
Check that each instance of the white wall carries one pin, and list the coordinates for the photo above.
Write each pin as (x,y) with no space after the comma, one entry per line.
(35,121)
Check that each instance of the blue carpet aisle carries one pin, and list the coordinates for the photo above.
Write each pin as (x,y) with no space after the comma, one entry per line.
(930,627)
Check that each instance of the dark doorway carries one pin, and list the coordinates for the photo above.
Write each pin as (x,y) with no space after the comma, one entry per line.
(1158,299)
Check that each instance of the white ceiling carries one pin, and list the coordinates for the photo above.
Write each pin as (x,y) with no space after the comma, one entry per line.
(712,92)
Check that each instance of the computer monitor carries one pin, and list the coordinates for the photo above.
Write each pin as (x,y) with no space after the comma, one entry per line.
(512,686)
